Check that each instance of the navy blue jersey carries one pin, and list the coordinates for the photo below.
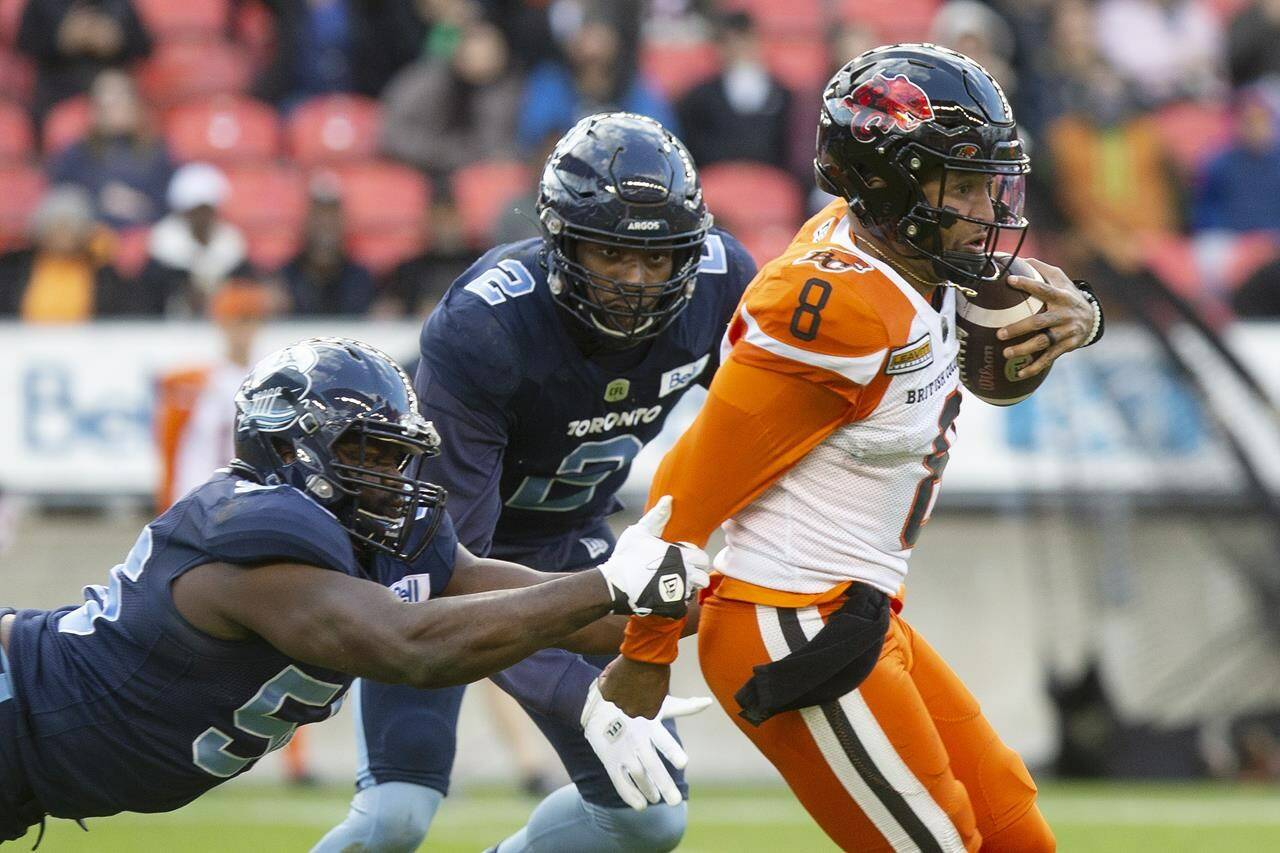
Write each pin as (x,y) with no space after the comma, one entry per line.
(537,437)
(126,706)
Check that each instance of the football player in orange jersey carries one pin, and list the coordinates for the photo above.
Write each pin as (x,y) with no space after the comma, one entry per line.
(821,446)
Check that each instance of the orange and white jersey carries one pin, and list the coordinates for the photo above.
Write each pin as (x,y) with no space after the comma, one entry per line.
(824,434)
(852,507)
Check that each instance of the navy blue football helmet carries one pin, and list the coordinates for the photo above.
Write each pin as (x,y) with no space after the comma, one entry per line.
(905,113)
(339,420)
(622,180)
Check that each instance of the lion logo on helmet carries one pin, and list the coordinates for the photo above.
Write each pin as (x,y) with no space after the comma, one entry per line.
(884,103)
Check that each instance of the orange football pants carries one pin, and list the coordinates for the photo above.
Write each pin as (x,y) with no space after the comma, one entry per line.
(905,762)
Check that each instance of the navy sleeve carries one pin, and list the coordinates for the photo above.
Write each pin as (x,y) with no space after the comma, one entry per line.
(552,682)
(741,270)
(276,524)
(470,368)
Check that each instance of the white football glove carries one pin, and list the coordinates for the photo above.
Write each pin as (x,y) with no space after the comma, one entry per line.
(647,575)
(629,746)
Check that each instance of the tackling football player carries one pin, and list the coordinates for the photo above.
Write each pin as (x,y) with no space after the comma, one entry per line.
(821,447)
(546,368)
(245,609)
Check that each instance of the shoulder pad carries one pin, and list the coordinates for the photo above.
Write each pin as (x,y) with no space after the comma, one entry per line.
(259,524)
(467,348)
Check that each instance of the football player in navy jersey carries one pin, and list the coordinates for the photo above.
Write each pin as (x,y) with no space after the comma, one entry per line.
(547,367)
(244,610)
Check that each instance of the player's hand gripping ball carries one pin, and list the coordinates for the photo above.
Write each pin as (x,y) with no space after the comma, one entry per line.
(984,370)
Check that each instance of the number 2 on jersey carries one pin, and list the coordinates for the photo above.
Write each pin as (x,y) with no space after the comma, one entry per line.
(935,463)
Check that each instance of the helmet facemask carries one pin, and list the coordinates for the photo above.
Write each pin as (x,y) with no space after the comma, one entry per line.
(625,311)
(373,463)
(922,228)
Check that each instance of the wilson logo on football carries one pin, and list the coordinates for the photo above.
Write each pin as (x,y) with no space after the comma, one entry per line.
(883,103)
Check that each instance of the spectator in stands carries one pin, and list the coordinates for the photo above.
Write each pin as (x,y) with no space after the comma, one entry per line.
(194,424)
(742,113)
(1111,178)
(327,46)
(1239,189)
(440,114)
(596,78)
(72,40)
(323,279)
(1165,49)
(122,164)
(192,250)
(415,286)
(445,21)
(1253,43)
(65,277)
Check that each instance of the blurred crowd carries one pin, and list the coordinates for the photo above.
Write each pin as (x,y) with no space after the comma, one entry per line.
(352,157)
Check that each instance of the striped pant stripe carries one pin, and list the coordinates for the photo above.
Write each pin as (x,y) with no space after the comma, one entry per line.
(859,752)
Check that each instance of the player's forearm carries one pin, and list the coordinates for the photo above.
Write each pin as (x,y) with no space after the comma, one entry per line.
(462,639)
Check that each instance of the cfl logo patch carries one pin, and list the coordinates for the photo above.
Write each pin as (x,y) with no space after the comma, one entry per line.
(671,588)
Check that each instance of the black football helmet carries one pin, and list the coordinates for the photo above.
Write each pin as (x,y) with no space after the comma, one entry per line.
(338,420)
(906,113)
(623,180)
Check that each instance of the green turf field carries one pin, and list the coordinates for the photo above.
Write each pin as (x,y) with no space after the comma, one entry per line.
(1170,819)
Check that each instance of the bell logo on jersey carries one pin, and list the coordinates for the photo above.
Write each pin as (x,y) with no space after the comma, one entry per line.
(412,588)
(916,355)
(680,377)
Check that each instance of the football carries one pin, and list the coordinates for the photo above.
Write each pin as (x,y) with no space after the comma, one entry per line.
(984,370)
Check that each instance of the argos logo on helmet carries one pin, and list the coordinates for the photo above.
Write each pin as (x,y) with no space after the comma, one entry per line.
(883,103)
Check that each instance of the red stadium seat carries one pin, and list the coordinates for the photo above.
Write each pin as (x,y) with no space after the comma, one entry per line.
(483,192)
(799,63)
(892,20)
(798,17)
(676,67)
(254,29)
(228,129)
(66,124)
(23,187)
(10,19)
(1193,132)
(168,19)
(334,128)
(17,141)
(767,242)
(17,76)
(752,196)
(386,207)
(268,203)
(185,70)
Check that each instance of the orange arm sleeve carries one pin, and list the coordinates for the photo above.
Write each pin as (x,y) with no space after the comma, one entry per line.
(755,424)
